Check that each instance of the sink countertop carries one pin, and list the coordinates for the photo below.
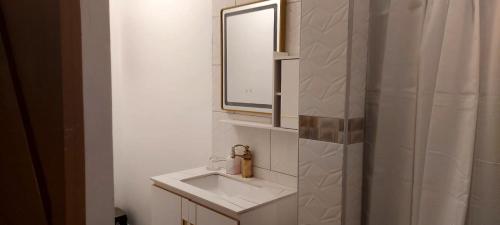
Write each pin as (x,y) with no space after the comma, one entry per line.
(233,207)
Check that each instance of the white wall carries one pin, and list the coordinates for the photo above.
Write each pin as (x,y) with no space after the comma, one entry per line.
(97,112)
(161,66)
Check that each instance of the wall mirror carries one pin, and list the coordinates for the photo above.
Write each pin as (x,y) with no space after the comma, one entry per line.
(250,35)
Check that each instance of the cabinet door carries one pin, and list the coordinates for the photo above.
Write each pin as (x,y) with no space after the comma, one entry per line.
(290,94)
(206,216)
(188,212)
(166,207)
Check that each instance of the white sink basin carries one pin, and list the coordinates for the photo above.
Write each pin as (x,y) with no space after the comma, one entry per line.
(229,194)
(230,188)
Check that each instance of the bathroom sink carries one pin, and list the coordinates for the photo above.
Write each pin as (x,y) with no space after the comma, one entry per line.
(230,194)
(230,188)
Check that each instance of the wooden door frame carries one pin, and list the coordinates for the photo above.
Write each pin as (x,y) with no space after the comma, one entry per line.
(68,196)
(72,81)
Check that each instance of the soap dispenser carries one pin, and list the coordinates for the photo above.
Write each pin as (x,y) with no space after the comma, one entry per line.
(233,164)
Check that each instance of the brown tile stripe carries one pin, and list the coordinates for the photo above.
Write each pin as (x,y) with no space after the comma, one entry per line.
(356,131)
(321,128)
(331,129)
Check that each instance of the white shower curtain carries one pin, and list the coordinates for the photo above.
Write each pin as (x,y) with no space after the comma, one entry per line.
(433,113)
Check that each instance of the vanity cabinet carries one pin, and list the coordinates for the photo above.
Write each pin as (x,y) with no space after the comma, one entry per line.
(171,209)
(166,207)
(206,216)
(203,197)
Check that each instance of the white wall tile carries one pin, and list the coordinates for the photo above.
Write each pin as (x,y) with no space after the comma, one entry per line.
(277,151)
(359,59)
(354,182)
(282,212)
(218,5)
(284,152)
(292,35)
(242,2)
(320,182)
(227,135)
(323,57)
(323,71)
(323,79)
(354,167)
(258,140)
(276,177)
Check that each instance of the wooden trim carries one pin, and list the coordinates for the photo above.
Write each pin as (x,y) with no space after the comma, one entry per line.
(72,87)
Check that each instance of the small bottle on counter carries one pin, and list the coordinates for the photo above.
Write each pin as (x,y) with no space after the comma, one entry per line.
(233,165)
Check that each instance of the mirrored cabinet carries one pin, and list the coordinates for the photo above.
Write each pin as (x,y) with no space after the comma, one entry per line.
(258,75)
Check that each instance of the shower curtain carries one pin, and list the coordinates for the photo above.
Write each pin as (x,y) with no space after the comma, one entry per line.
(433,113)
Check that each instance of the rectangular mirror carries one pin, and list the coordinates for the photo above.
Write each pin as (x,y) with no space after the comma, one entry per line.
(250,36)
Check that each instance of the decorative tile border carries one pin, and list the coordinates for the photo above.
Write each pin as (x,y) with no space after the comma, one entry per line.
(321,128)
(331,129)
(356,131)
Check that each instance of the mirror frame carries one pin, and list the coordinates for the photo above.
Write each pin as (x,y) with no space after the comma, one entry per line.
(279,39)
